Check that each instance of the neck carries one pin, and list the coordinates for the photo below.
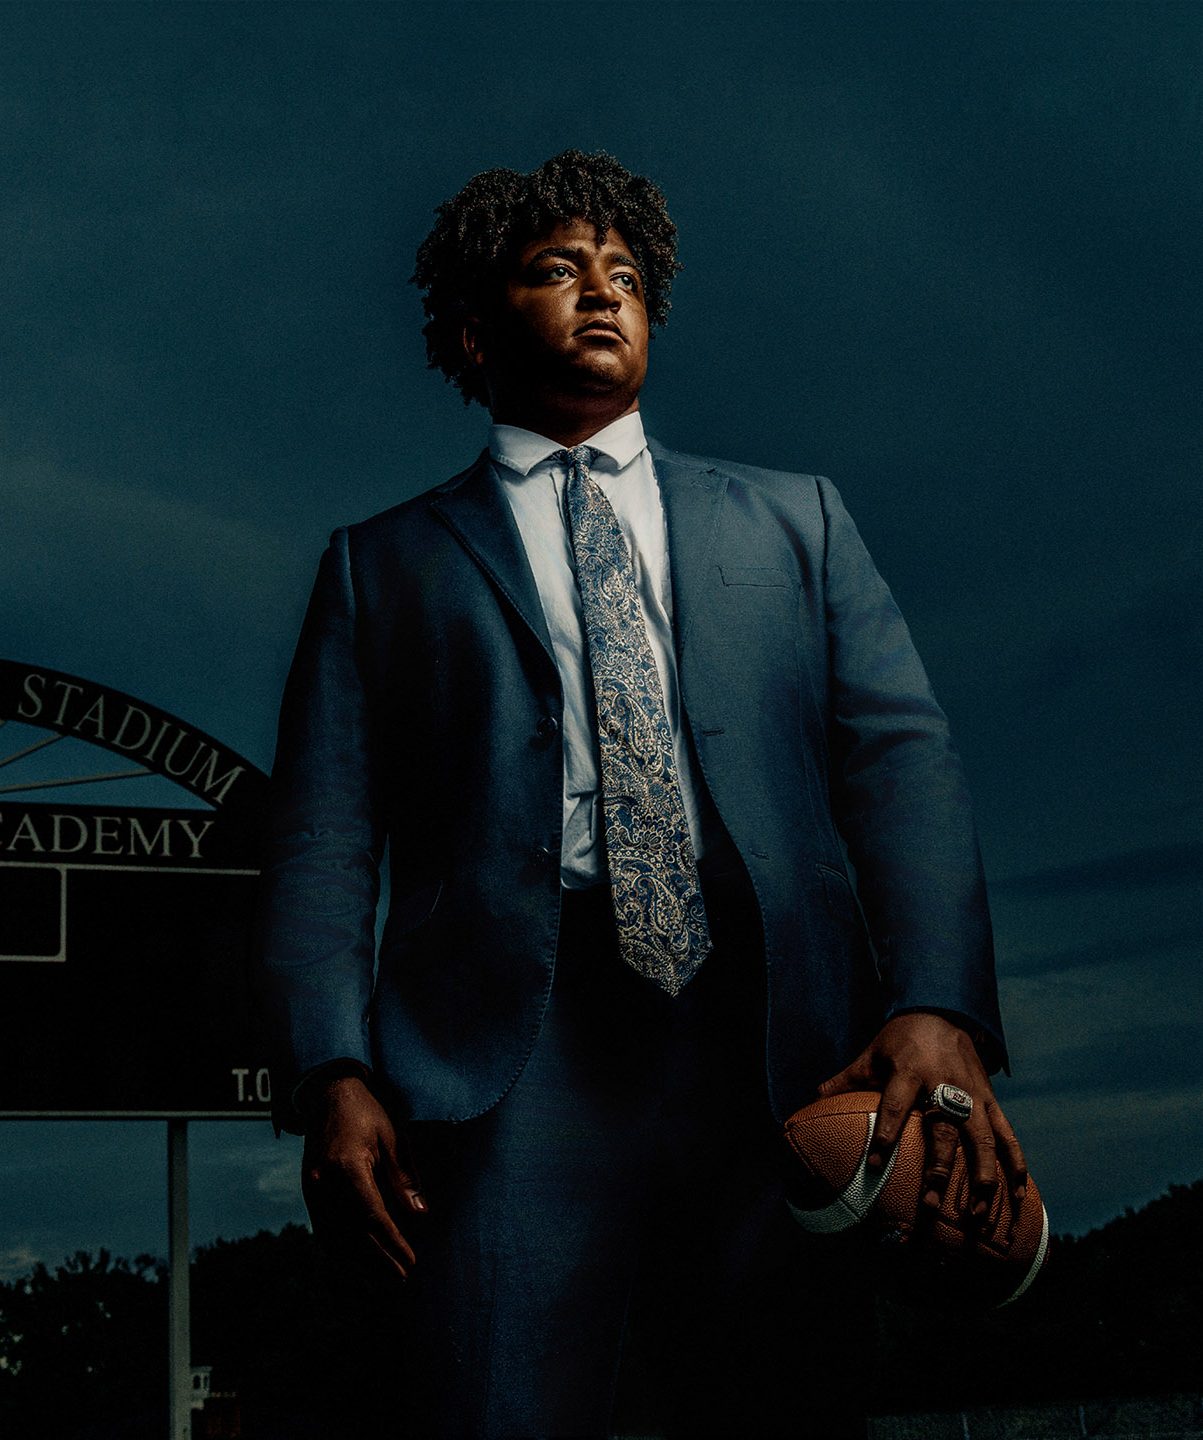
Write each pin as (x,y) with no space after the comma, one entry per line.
(567,424)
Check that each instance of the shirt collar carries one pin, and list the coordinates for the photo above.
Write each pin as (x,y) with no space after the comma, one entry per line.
(617,444)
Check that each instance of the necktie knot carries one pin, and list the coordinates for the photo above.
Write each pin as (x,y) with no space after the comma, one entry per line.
(579,455)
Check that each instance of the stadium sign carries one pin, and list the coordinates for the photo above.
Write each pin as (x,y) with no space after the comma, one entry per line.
(124,930)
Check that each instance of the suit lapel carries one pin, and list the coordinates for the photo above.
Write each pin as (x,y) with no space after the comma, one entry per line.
(474,506)
(693,496)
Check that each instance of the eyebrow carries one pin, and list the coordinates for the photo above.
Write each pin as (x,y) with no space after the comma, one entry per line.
(578,253)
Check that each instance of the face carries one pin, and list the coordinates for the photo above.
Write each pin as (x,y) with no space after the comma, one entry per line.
(572,324)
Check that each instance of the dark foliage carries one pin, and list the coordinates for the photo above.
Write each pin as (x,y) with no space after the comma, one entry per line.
(310,1352)
(83,1350)
(1116,1312)
(304,1347)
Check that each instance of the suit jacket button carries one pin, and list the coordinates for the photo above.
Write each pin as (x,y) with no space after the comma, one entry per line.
(542,854)
(547,728)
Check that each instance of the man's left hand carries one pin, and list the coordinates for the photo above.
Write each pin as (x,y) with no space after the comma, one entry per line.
(909,1057)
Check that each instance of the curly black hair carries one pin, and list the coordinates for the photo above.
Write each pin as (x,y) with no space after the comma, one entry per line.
(462,263)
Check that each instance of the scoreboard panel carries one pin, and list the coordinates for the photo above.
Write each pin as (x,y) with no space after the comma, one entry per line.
(125,931)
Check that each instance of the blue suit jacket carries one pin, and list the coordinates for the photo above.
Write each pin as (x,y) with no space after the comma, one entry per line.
(418,711)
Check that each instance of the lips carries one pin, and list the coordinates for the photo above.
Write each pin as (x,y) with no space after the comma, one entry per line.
(600,327)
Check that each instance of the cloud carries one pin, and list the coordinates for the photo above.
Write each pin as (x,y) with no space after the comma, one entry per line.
(1166,1055)
(71,535)
(16,1261)
(279,1182)
(1169,864)
(1094,1152)
(1156,628)
(1110,950)
(153,592)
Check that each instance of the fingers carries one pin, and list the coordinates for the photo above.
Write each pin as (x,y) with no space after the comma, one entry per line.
(379,1226)
(349,1212)
(989,1142)
(942,1138)
(982,1161)
(354,1185)
(1009,1150)
(897,1101)
(401,1182)
(910,1055)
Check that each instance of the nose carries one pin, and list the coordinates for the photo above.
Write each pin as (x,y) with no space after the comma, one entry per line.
(599,291)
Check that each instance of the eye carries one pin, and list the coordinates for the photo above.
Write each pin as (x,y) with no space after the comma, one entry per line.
(556,272)
(631,282)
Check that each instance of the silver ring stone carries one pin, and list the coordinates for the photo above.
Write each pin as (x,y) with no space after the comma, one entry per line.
(956,1103)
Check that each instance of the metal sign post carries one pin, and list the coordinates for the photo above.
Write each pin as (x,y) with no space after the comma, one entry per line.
(179,1342)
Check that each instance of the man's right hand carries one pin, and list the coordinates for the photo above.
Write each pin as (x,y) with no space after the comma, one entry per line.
(351,1178)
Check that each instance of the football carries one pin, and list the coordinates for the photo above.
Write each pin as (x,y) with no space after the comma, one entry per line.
(830,1188)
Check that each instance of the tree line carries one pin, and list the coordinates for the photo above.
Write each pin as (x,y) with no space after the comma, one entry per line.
(304,1347)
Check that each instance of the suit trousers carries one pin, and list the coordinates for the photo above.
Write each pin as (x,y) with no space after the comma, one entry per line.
(608,1246)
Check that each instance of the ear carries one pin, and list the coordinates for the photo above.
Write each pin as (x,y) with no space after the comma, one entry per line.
(474,334)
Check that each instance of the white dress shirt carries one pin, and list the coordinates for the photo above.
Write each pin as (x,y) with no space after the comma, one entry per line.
(534,486)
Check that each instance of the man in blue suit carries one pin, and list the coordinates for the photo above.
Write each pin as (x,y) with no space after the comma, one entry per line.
(616,714)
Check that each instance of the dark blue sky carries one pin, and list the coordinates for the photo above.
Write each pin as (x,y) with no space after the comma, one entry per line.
(946,254)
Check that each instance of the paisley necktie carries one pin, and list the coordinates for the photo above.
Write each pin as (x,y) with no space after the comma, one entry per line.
(662,930)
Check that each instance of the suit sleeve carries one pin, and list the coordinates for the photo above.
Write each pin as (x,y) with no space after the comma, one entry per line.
(901,801)
(325,836)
